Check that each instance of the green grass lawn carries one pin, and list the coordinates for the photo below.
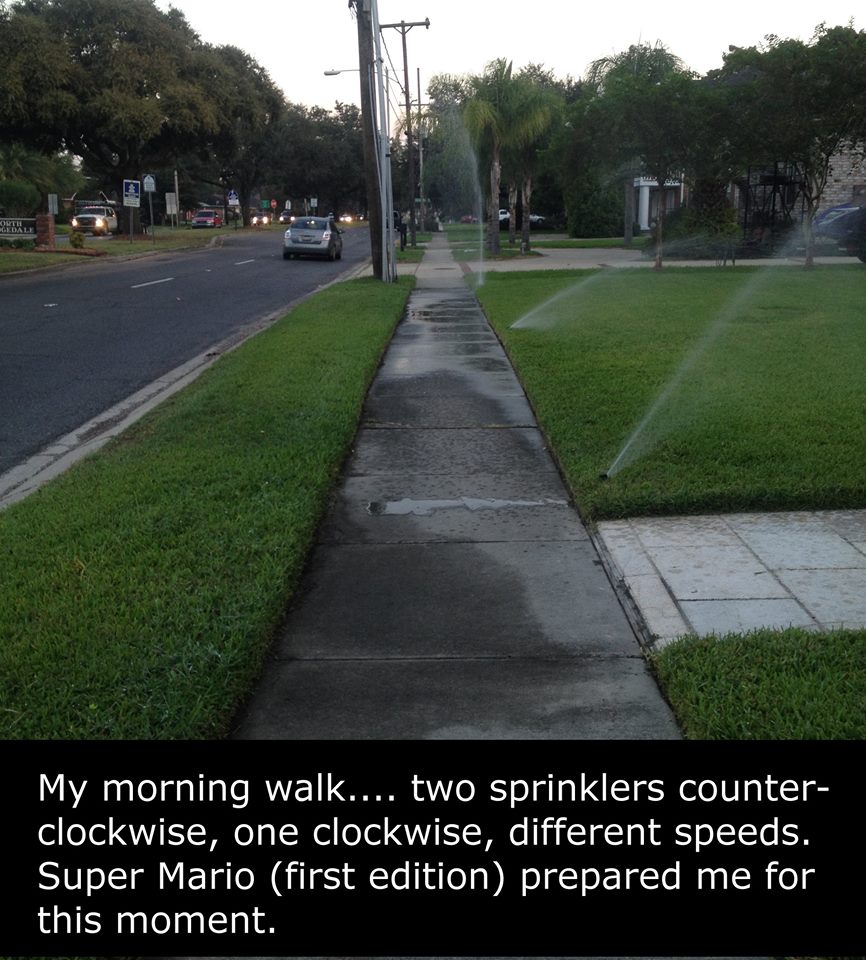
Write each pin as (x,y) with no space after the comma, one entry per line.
(166,239)
(768,685)
(755,380)
(139,591)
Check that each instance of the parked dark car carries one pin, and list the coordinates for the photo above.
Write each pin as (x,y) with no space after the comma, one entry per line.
(207,218)
(313,237)
(846,225)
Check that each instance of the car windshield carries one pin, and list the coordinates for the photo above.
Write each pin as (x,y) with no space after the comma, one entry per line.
(98,211)
(312,223)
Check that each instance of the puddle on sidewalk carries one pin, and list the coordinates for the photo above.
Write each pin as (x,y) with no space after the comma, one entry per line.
(425,508)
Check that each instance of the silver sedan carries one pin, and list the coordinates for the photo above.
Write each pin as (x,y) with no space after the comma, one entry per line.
(313,237)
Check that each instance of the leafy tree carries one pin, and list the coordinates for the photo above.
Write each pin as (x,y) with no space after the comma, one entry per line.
(800,103)
(319,153)
(649,100)
(35,91)
(249,110)
(47,173)
(450,162)
(127,78)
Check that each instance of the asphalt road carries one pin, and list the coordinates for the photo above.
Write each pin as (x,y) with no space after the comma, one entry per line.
(75,341)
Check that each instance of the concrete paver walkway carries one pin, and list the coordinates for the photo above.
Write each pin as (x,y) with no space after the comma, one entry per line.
(742,572)
(453,591)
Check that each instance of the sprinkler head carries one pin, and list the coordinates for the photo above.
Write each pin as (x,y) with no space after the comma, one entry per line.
(604,476)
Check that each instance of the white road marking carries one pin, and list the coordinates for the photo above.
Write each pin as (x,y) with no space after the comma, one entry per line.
(151,283)
(239,263)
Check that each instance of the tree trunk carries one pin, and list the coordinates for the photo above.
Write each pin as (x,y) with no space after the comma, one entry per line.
(493,227)
(512,212)
(660,224)
(628,211)
(527,211)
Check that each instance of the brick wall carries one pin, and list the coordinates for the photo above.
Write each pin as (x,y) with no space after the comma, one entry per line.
(847,181)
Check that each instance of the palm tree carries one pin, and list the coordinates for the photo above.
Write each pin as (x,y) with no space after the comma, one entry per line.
(489,116)
(537,107)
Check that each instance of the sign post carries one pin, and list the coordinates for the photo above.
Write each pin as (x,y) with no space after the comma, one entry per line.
(131,198)
(234,202)
(149,187)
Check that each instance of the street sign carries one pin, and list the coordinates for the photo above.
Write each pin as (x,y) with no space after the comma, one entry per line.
(171,203)
(273,204)
(132,193)
(149,183)
(233,199)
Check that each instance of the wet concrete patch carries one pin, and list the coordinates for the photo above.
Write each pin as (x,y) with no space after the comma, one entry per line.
(604,699)
(456,599)
(439,380)
(515,451)
(448,411)
(423,509)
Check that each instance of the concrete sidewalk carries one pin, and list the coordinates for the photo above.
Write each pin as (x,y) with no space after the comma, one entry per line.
(453,591)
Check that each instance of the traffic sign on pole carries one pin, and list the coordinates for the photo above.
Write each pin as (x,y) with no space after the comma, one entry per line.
(132,193)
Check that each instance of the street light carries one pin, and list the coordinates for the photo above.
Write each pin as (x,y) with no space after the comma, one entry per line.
(383,167)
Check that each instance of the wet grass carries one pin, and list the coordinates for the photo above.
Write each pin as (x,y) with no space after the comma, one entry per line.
(139,591)
(759,371)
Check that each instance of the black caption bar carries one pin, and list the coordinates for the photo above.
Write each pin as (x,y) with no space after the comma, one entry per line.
(457,848)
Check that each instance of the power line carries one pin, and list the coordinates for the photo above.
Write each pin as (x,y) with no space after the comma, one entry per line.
(404,28)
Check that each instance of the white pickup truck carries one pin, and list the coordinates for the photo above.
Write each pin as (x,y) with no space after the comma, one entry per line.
(95,220)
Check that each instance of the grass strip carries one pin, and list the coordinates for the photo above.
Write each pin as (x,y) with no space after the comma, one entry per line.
(139,591)
(768,685)
(167,239)
(599,243)
(711,390)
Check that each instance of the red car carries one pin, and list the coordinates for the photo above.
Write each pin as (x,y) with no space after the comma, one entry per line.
(207,218)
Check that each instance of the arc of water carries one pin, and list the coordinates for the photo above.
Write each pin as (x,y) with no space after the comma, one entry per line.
(713,332)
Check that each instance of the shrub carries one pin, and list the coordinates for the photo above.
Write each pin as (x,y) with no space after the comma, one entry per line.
(19,198)
(698,234)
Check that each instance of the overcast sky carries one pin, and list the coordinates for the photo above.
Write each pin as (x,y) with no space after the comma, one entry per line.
(297,40)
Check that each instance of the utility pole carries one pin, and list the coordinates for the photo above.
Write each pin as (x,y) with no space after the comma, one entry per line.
(371,142)
(404,28)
